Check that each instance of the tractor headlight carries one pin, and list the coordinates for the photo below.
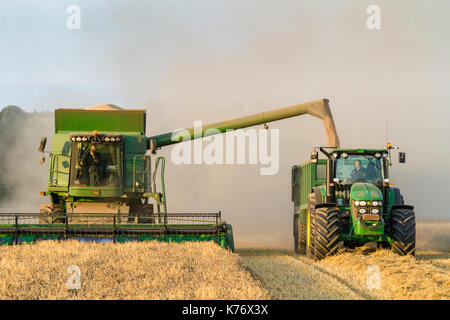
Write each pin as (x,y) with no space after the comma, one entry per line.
(113,139)
(107,139)
(78,139)
(377,155)
(344,155)
(362,203)
(84,139)
(375,203)
(362,211)
(375,211)
(356,203)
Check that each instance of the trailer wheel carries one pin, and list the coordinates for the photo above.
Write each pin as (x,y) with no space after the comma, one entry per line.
(48,211)
(296,233)
(403,232)
(309,225)
(325,232)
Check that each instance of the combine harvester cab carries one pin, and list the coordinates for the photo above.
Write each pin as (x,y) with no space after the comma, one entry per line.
(346,199)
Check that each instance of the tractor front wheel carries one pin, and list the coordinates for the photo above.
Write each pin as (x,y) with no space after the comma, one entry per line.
(403,232)
(324,232)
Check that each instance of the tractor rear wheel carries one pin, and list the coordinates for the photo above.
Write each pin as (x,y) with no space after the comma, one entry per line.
(47,213)
(324,238)
(403,232)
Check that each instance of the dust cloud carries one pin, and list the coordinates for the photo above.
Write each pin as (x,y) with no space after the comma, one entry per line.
(219,60)
(23,177)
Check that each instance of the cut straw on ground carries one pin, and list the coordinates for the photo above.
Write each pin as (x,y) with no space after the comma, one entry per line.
(148,270)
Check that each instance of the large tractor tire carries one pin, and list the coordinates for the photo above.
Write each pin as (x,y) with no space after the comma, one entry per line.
(403,232)
(326,232)
(48,212)
(323,231)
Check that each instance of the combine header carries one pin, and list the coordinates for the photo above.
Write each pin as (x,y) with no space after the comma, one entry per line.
(102,184)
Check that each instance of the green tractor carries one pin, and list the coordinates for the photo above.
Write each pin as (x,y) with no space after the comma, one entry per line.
(347,200)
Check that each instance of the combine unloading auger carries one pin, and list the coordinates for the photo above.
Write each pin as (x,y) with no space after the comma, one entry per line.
(318,108)
(102,185)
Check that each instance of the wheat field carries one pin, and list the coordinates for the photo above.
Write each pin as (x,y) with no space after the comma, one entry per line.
(193,270)
(146,270)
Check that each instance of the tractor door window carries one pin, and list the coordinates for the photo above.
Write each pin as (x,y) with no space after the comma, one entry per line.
(364,168)
(96,164)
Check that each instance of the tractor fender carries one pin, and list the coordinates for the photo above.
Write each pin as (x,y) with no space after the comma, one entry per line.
(326,205)
(402,206)
(398,198)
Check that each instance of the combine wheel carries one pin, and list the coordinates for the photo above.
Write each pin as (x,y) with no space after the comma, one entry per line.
(48,211)
(404,232)
(146,208)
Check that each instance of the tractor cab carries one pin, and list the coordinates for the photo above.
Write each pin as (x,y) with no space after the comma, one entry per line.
(356,174)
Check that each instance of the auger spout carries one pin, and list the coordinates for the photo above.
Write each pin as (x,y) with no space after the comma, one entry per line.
(318,108)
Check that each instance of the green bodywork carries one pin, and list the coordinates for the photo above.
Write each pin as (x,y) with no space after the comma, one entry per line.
(311,174)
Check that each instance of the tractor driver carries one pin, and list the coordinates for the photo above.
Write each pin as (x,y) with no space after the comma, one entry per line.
(358,172)
(93,160)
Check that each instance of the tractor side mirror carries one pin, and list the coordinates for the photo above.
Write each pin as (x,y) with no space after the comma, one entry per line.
(314,156)
(42,144)
(401,157)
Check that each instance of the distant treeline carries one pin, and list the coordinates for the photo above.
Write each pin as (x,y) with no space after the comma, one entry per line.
(12,120)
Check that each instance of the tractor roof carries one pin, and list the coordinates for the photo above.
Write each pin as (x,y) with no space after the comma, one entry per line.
(359,151)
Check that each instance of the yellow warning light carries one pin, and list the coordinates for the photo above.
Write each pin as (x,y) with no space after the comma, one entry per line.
(95,132)
(389,145)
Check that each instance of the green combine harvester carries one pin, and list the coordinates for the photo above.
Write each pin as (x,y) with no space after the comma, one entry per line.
(103,173)
(347,200)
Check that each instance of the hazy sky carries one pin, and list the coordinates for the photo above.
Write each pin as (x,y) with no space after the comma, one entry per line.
(213,60)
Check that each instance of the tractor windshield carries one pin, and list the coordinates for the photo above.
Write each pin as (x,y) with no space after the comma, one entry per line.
(96,164)
(359,168)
